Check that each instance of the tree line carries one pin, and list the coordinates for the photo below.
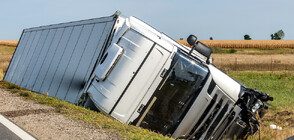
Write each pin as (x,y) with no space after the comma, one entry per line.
(279,35)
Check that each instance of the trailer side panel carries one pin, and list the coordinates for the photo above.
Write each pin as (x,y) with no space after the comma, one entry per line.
(58,59)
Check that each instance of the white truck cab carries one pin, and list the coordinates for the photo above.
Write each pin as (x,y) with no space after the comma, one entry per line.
(151,81)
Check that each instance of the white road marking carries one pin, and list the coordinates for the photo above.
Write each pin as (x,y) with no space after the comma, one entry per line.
(15,129)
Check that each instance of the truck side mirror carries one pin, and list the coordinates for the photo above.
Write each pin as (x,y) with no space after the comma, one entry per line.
(203,49)
(199,47)
(192,40)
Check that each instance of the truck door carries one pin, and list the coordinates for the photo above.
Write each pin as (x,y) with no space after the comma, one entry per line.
(117,68)
(142,85)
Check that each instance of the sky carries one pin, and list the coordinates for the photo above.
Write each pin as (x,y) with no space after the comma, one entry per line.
(220,19)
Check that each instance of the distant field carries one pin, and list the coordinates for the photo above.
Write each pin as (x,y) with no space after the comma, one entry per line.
(5,56)
(256,62)
(11,43)
(248,55)
(245,43)
(269,44)
(227,58)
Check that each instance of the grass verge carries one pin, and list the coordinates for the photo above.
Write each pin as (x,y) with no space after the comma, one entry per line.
(81,114)
(279,85)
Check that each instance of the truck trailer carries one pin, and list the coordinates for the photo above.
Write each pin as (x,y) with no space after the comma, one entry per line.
(137,75)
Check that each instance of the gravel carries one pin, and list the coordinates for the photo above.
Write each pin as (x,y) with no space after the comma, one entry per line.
(44,123)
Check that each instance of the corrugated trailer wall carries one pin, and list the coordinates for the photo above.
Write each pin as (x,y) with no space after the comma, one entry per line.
(59,58)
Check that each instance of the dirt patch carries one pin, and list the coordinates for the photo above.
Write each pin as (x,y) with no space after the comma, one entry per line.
(291,122)
(56,126)
(283,117)
(284,113)
(44,122)
(25,112)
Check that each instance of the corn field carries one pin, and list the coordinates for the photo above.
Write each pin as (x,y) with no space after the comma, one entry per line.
(11,43)
(245,43)
(217,43)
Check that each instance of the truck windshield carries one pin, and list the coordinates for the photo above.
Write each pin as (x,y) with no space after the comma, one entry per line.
(174,96)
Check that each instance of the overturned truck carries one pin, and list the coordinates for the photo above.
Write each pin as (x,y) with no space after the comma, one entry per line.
(137,75)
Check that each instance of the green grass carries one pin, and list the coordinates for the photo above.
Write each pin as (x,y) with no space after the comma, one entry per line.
(254,51)
(279,85)
(84,115)
(257,51)
(222,50)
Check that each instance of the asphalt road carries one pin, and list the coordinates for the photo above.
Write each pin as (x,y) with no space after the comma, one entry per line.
(10,131)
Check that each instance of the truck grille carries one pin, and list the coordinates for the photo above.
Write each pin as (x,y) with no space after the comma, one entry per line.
(215,113)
